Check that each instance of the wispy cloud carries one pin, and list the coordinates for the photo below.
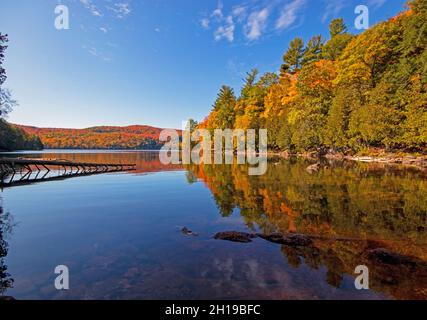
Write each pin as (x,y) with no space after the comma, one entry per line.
(240,12)
(377,3)
(121,9)
(236,69)
(256,24)
(91,7)
(205,23)
(106,11)
(97,53)
(332,9)
(93,51)
(252,17)
(224,25)
(289,14)
(217,13)
(226,31)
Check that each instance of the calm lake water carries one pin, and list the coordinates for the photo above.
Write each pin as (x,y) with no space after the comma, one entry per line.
(120,233)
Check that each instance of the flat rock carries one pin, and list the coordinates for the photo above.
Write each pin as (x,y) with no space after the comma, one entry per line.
(234,236)
(294,240)
(387,257)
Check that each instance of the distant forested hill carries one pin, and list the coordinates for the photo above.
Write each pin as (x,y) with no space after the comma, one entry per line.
(14,138)
(106,137)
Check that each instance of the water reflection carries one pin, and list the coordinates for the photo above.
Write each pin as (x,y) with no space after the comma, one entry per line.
(122,236)
(146,162)
(6,280)
(356,210)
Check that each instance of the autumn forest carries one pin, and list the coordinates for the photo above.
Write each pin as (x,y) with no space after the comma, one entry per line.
(348,93)
(331,206)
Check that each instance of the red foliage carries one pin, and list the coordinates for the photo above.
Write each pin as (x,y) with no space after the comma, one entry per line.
(105,137)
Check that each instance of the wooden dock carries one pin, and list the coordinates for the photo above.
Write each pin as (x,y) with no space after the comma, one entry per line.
(15,171)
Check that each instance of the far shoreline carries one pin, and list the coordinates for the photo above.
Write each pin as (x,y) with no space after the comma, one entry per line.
(414,160)
(67,150)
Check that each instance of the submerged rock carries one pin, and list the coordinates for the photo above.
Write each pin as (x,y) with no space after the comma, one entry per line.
(188,232)
(387,257)
(234,236)
(294,240)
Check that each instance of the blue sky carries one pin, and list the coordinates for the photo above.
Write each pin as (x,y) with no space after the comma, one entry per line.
(155,62)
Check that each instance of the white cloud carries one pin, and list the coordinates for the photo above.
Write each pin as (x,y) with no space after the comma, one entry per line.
(217,13)
(225,24)
(91,7)
(93,51)
(239,12)
(105,30)
(252,17)
(121,9)
(289,14)
(226,31)
(205,23)
(256,24)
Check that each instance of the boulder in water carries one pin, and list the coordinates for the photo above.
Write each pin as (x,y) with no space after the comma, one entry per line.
(293,240)
(387,257)
(234,236)
(188,232)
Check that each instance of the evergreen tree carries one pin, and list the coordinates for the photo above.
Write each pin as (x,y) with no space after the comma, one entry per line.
(339,39)
(293,56)
(313,50)
(337,27)
(224,108)
(249,83)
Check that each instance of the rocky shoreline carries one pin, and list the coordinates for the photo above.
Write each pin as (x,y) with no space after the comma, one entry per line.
(409,160)
(415,161)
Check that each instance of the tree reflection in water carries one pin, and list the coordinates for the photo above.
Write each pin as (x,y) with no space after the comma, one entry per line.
(372,206)
(5,229)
